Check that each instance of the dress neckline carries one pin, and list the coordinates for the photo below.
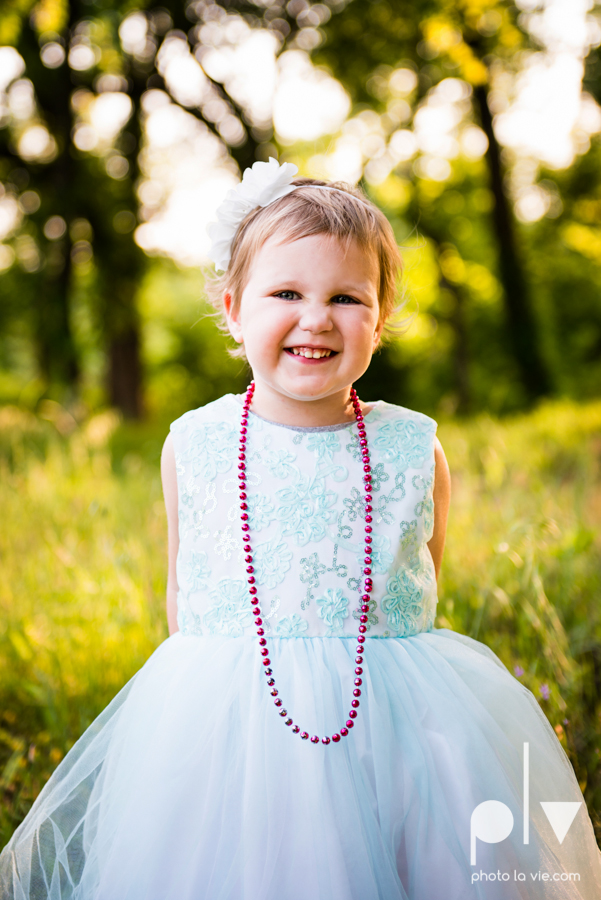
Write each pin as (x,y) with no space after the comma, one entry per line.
(237,399)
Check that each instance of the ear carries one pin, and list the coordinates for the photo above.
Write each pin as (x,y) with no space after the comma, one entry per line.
(378,333)
(232,316)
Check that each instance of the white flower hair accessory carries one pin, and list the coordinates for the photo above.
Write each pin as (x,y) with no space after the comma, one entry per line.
(261,184)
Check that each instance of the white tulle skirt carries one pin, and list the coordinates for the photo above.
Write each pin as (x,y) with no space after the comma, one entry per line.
(190,787)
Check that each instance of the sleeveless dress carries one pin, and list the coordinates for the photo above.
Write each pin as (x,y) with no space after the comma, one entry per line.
(189,786)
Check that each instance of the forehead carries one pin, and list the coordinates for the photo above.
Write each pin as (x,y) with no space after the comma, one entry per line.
(315,256)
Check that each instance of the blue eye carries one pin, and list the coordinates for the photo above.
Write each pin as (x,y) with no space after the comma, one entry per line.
(344,298)
(287,295)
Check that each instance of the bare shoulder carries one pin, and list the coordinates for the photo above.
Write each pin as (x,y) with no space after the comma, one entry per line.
(168,456)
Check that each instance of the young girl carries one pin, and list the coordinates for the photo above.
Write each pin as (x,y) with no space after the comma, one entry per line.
(305,731)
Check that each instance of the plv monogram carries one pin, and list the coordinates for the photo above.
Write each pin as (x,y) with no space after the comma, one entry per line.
(492,821)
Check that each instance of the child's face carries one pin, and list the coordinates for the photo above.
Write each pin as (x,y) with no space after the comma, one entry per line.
(313,294)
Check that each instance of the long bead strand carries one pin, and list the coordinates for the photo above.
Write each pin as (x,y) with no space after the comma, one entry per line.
(367,580)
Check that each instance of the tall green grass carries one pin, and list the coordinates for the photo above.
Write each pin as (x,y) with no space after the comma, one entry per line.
(82,550)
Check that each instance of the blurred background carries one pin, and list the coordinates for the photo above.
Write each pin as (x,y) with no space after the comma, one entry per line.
(476,126)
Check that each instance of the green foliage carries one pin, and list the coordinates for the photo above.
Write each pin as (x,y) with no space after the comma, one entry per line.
(83,545)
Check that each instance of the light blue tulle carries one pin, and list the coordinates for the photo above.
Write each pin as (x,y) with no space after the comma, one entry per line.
(190,787)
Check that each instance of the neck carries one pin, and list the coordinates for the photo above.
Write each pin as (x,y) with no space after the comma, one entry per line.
(336,409)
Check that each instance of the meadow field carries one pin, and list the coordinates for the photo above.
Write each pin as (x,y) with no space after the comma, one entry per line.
(83,562)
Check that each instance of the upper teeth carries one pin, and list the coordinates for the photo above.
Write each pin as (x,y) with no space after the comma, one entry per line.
(309,353)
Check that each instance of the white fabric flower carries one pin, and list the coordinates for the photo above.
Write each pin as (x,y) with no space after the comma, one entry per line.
(263,183)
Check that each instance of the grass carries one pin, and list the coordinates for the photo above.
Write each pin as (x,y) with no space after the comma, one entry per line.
(82,548)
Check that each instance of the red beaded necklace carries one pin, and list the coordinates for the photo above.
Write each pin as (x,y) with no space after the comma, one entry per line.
(252,589)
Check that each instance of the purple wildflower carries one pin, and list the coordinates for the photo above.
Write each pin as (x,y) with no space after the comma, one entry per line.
(544,691)
(518,671)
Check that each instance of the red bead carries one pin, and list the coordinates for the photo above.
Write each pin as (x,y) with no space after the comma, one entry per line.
(366,572)
(358,681)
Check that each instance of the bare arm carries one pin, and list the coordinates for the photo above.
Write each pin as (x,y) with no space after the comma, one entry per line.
(169,477)
(442,501)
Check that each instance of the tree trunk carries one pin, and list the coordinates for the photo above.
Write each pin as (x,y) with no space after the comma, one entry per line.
(522,328)
(125,375)
(56,350)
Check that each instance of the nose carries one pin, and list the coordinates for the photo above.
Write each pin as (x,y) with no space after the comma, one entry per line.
(316,317)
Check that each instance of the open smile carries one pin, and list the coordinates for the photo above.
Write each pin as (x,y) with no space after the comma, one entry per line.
(311,352)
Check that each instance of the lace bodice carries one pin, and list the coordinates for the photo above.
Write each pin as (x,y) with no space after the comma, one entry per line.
(306,516)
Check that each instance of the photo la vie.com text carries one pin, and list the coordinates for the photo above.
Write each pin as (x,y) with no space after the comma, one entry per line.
(492,822)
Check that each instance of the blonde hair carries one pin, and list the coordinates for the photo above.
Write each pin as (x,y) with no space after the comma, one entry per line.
(345,213)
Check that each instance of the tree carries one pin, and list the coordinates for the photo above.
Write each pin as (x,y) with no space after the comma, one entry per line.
(80,199)
(440,39)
